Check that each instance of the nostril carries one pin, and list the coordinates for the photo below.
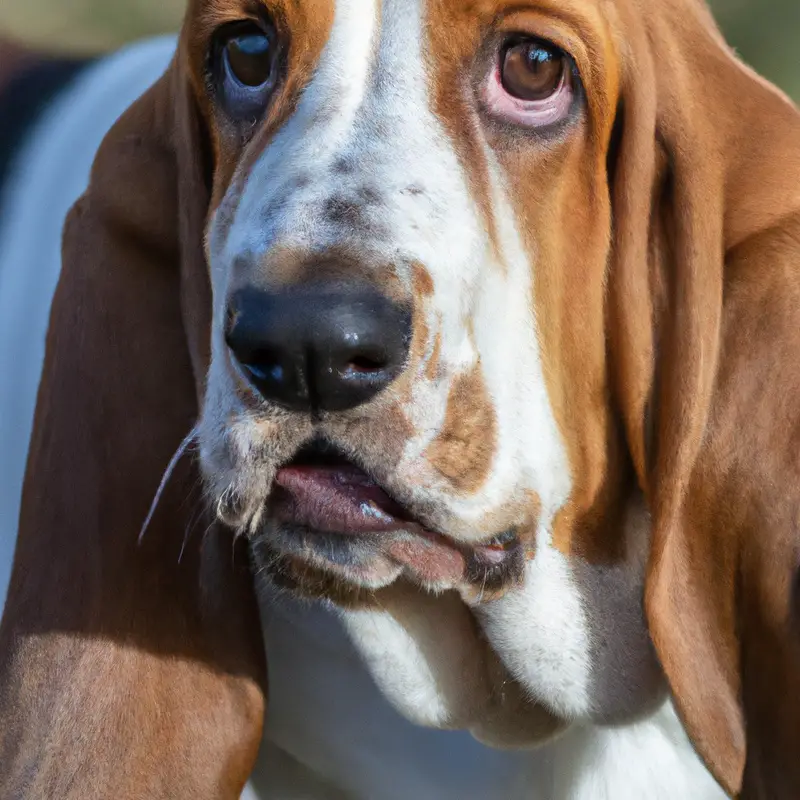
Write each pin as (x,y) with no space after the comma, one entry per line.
(367,364)
(259,363)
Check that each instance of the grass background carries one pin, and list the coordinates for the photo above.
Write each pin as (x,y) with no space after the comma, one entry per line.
(767,35)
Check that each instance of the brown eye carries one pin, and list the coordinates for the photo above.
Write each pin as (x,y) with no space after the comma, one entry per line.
(244,68)
(250,58)
(533,70)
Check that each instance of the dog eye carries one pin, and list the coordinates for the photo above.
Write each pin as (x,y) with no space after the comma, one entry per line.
(533,83)
(533,70)
(246,67)
(249,58)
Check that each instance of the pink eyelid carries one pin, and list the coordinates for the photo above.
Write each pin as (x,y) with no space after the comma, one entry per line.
(532,113)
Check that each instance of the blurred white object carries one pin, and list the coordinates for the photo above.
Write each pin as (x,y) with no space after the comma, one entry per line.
(50,172)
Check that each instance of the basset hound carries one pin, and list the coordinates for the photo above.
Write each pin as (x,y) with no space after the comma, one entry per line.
(441,361)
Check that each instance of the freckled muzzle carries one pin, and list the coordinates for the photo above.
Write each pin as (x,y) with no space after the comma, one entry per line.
(319,348)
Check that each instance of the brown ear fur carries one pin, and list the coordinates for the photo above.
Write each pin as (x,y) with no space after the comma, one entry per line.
(125,670)
(707,356)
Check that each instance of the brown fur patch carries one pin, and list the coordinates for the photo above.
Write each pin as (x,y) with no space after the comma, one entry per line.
(527,533)
(290,266)
(419,340)
(464,450)
(432,367)
(422,281)
(422,288)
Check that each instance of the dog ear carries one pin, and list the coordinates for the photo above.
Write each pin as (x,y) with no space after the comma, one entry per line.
(705,327)
(128,669)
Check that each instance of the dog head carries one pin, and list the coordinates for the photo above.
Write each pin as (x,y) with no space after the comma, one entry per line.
(498,300)
(467,264)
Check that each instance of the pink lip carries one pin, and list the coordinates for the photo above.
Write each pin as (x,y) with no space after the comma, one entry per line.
(339,498)
(344,500)
(335,499)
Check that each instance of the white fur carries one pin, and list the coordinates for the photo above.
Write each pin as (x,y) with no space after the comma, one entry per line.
(422,652)
(651,759)
(540,632)
(331,734)
(332,721)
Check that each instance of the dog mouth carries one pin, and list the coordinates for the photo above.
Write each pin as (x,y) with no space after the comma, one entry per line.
(322,490)
(328,511)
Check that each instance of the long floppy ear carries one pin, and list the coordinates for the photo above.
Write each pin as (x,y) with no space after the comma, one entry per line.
(705,311)
(128,670)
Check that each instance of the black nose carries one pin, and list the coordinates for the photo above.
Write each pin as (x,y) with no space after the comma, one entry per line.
(319,347)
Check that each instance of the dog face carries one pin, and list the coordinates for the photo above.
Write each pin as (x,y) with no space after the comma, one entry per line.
(408,245)
(443,167)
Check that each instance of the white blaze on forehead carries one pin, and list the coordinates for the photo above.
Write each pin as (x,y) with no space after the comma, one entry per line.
(342,74)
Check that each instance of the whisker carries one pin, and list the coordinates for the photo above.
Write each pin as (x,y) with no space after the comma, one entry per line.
(202,508)
(483,586)
(179,453)
(207,531)
(198,484)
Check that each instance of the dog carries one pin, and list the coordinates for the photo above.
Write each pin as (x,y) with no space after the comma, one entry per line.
(447,352)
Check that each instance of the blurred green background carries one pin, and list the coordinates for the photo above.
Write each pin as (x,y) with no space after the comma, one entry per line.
(767,35)
(765,32)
